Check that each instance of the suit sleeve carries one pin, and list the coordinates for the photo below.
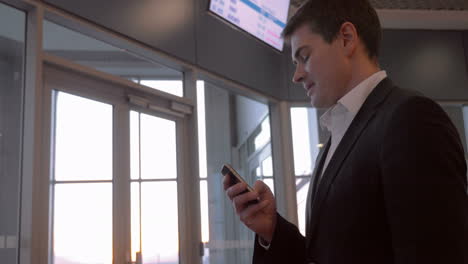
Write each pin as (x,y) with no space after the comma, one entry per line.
(287,246)
(424,185)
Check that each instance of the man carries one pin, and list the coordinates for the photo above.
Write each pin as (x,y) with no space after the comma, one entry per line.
(389,186)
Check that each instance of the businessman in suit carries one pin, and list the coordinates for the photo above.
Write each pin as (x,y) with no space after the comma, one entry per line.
(390,184)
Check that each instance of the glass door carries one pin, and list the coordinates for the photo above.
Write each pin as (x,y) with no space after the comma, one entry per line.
(114,186)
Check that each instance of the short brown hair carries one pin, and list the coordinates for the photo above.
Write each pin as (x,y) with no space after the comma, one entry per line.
(325,18)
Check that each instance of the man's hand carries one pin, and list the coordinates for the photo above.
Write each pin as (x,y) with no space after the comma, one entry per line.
(259,217)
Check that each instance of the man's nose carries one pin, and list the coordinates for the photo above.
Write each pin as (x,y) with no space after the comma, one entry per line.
(298,75)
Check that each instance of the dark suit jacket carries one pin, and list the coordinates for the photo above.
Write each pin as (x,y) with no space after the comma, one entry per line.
(393,192)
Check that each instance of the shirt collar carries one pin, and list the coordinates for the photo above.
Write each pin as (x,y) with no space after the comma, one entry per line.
(353,100)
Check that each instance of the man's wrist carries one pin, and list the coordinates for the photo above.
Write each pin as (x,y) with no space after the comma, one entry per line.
(268,236)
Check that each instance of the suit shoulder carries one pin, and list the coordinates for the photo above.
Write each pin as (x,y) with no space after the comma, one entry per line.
(407,108)
(409,100)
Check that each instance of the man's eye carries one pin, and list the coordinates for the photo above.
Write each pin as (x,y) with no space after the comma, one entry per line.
(305,58)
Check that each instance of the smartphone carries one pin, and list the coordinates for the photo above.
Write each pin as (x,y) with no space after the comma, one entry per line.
(236,178)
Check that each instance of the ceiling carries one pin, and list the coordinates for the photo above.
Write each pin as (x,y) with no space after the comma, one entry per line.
(417,14)
(411,4)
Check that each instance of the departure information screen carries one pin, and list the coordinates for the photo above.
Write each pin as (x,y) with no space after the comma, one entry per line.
(264,19)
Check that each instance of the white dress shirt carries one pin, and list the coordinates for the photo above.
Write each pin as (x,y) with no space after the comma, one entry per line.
(338,118)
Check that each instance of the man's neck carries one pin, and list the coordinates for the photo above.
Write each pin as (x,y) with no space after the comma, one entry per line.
(360,73)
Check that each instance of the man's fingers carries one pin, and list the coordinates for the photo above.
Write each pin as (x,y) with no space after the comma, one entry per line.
(235,190)
(247,214)
(261,187)
(241,201)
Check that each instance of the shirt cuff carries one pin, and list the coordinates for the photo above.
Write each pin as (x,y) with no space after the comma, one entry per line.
(263,243)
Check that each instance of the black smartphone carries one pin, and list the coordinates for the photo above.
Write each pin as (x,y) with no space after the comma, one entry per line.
(236,178)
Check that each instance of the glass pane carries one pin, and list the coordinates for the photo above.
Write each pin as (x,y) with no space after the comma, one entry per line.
(267,166)
(258,172)
(134,145)
(264,136)
(301,142)
(174,87)
(206,255)
(201,128)
(204,211)
(305,134)
(302,187)
(79,48)
(135,219)
(12,46)
(82,228)
(159,222)
(83,139)
(270,183)
(203,170)
(252,120)
(158,148)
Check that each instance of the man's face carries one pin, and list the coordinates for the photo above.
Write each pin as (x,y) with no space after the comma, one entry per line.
(321,67)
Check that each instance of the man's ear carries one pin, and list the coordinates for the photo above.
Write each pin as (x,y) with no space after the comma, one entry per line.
(349,38)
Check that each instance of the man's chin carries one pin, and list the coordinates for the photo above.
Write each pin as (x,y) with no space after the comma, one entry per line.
(317,103)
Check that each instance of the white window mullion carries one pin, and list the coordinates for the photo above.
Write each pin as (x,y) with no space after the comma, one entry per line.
(121,184)
(283,160)
(189,189)
(34,186)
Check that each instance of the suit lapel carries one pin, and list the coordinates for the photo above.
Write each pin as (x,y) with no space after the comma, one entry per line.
(360,122)
(313,183)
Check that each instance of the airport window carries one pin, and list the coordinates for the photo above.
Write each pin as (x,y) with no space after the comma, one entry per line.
(12,55)
(232,129)
(306,145)
(204,204)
